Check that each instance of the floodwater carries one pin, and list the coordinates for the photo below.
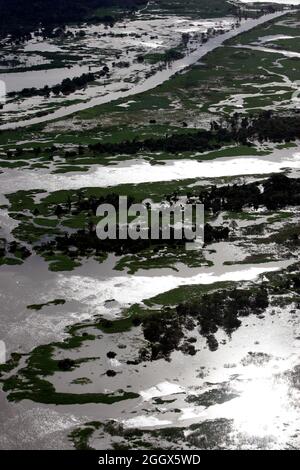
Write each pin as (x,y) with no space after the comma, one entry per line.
(289,54)
(88,290)
(262,406)
(38,79)
(141,171)
(252,362)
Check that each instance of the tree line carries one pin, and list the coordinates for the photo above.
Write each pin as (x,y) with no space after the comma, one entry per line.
(167,332)
(20,17)
(67,86)
(243,130)
(238,129)
(274,193)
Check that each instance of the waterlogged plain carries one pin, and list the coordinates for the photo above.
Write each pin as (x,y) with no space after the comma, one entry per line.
(245,80)
(90,327)
(112,59)
(61,226)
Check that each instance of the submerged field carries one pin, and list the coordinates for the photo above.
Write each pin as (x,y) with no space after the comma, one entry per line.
(145,345)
